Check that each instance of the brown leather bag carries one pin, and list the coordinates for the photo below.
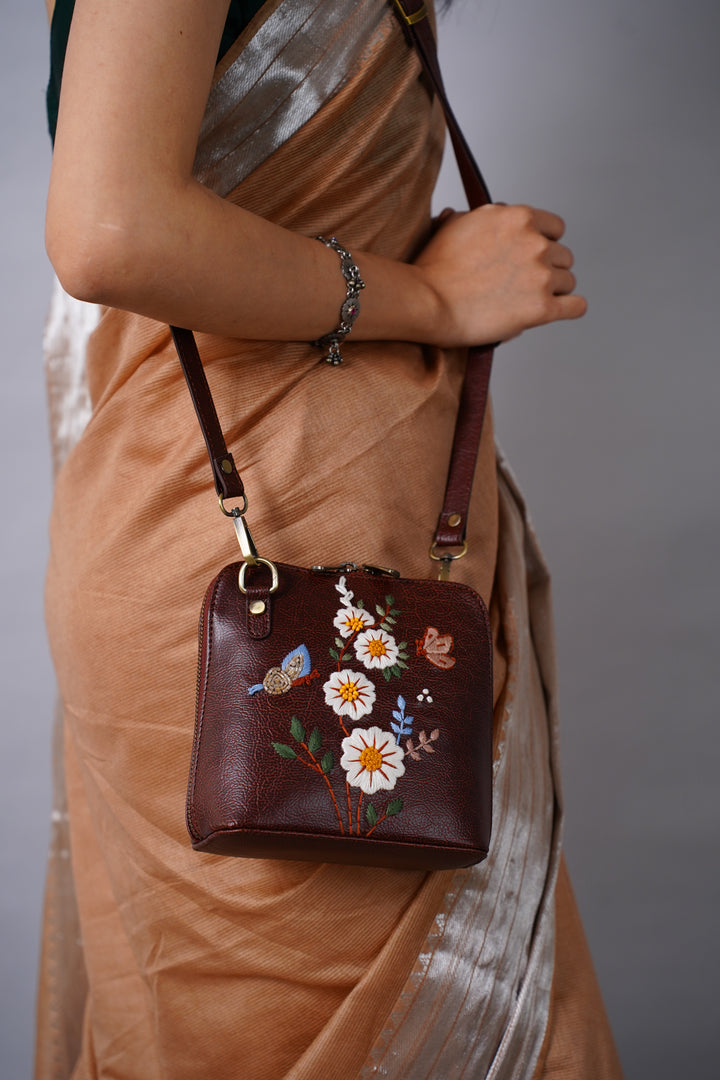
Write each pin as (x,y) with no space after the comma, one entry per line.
(344,713)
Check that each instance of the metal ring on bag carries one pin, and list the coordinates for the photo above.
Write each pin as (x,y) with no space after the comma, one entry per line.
(448,556)
(265,562)
(237,511)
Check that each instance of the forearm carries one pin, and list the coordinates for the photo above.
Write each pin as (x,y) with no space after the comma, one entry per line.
(184,256)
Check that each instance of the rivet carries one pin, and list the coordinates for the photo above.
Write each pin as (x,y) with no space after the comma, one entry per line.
(257,607)
(226,466)
(454,520)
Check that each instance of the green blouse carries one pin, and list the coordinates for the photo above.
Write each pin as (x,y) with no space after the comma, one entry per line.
(239,15)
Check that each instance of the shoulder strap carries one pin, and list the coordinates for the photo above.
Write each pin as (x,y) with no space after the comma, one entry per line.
(452,523)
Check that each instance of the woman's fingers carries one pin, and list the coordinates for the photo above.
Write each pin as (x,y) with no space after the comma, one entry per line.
(567,307)
(559,255)
(550,225)
(563,281)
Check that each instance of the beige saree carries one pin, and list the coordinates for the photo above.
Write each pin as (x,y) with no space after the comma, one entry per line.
(163,963)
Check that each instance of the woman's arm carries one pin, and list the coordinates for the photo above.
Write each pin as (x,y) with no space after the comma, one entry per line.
(128,226)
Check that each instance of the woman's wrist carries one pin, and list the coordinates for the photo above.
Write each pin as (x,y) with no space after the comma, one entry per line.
(398,304)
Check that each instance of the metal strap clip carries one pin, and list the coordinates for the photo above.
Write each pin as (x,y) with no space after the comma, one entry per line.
(417,17)
(446,559)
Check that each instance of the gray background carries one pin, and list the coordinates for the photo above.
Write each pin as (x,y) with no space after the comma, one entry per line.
(606,111)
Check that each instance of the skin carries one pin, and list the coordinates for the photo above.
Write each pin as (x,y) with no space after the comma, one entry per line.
(128,226)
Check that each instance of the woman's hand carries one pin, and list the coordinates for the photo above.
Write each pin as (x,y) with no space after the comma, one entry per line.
(497,271)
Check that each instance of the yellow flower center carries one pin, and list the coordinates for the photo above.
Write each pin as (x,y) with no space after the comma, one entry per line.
(371,759)
(354,623)
(376,647)
(349,691)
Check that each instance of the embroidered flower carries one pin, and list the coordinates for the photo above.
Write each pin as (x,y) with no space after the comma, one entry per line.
(349,693)
(376,648)
(349,620)
(372,760)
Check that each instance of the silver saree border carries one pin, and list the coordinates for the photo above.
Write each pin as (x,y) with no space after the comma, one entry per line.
(293,64)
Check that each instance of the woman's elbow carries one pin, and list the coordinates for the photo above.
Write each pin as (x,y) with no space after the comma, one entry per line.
(88,257)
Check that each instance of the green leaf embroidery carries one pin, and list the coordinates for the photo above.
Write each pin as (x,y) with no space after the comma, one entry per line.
(402,656)
(284,751)
(315,741)
(400,664)
(389,601)
(340,643)
(394,807)
(335,654)
(395,612)
(380,610)
(386,673)
(384,626)
(360,603)
(395,671)
(327,762)
(371,815)
(389,620)
(297,730)
(402,645)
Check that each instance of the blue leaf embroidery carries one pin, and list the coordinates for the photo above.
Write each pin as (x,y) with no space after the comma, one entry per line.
(404,723)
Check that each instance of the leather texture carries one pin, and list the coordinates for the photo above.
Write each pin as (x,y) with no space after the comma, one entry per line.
(254,790)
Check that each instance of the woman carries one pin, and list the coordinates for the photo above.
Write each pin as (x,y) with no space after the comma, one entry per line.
(198,152)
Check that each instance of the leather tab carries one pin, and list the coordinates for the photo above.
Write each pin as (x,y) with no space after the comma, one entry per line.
(466,443)
(258,611)
(227,480)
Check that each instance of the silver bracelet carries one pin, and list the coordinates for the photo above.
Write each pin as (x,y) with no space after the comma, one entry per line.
(351,307)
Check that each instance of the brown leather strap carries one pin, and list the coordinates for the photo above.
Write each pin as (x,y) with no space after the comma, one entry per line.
(227,480)
(452,523)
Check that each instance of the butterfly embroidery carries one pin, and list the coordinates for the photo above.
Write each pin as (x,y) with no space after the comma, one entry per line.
(435,647)
(294,670)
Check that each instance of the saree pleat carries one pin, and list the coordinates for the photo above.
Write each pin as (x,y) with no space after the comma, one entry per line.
(201,966)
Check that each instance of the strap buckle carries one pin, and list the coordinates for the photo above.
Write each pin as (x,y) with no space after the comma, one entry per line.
(417,17)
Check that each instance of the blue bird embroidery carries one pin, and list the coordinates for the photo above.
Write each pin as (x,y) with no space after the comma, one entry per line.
(295,669)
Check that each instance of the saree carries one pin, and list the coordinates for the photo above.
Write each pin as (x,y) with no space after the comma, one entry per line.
(159,962)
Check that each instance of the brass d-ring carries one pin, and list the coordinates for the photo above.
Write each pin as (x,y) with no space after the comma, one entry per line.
(447,556)
(237,511)
(265,562)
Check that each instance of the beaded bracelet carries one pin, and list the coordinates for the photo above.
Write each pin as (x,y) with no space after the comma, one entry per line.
(351,307)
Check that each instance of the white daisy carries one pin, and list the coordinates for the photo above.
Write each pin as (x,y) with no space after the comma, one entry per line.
(372,760)
(349,620)
(376,648)
(349,693)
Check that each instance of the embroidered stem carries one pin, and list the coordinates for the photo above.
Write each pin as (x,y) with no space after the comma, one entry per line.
(313,764)
(350,819)
(345,648)
(358,811)
(378,822)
